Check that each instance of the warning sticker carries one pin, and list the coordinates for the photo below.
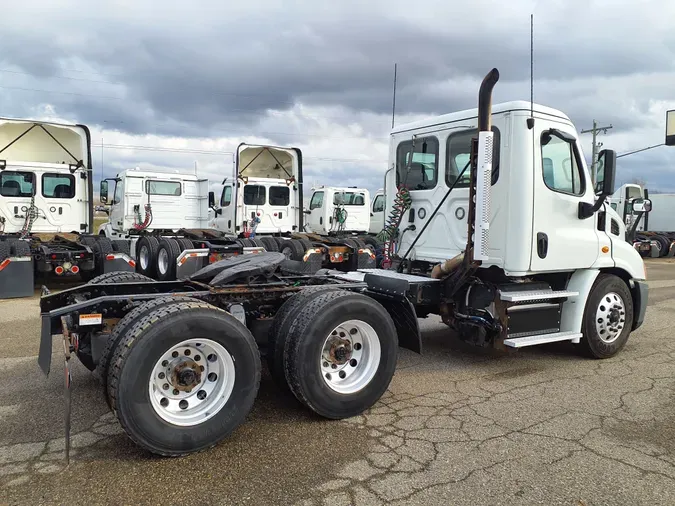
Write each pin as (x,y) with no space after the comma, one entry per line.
(91,319)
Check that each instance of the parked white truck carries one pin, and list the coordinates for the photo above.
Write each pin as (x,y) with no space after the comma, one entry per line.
(46,205)
(263,206)
(515,254)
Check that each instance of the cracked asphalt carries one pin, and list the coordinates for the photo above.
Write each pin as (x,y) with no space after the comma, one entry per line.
(458,425)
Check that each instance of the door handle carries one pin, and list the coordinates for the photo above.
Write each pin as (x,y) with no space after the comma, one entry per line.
(542,244)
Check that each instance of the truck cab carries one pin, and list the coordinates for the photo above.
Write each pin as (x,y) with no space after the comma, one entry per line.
(264,196)
(146,201)
(377,213)
(334,210)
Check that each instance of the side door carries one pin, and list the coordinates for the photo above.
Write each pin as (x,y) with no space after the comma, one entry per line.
(560,240)
(315,221)
(117,206)
(224,219)
(279,200)
(377,215)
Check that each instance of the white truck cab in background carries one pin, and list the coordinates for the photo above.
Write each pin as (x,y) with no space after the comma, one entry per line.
(377,213)
(336,210)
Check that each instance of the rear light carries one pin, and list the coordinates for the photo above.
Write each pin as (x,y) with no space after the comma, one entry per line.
(258,213)
(275,214)
(132,263)
(58,270)
(110,257)
(74,269)
(53,256)
(81,255)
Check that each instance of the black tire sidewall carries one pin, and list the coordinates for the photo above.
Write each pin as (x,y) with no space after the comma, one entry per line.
(133,398)
(595,346)
(319,396)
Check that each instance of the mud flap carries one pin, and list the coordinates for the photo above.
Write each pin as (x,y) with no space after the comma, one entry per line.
(118,262)
(366,259)
(17,277)
(405,320)
(191,261)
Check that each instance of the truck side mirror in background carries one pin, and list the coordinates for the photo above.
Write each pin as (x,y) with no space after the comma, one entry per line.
(103,192)
(212,200)
(605,173)
(641,206)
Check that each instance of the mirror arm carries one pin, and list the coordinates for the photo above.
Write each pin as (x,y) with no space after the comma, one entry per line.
(587,210)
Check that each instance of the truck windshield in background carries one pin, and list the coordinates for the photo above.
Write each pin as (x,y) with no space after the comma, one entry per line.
(162,187)
(349,199)
(254,195)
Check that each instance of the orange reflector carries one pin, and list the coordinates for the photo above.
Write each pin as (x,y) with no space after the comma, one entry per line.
(132,263)
(110,257)
(605,249)
(4,263)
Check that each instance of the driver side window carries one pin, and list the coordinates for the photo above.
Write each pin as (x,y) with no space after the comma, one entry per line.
(317,201)
(119,191)
(226,196)
(420,172)
(560,165)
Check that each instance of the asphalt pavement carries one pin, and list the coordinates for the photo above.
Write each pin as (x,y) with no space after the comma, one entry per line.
(459,425)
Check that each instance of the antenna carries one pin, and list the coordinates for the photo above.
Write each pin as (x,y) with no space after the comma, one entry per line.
(393,104)
(530,121)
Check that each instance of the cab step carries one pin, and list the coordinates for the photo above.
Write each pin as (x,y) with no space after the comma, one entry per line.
(515,296)
(519,342)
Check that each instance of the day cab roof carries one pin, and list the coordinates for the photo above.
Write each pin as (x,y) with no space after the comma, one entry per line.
(164,175)
(472,114)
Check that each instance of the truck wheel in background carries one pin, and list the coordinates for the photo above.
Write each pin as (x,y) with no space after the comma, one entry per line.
(278,332)
(4,250)
(370,241)
(608,317)
(664,244)
(88,240)
(306,244)
(167,253)
(121,246)
(280,242)
(110,278)
(257,243)
(19,249)
(270,243)
(101,248)
(146,255)
(293,249)
(340,354)
(175,391)
(185,243)
(355,243)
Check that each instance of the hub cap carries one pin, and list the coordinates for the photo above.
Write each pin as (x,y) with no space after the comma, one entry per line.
(163,261)
(350,357)
(144,257)
(610,317)
(191,382)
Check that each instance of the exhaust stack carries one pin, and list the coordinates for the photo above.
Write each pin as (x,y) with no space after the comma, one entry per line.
(478,218)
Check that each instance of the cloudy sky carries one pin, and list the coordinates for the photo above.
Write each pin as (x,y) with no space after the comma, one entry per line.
(170,85)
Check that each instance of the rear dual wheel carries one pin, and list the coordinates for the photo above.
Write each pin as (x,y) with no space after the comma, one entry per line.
(182,377)
(337,351)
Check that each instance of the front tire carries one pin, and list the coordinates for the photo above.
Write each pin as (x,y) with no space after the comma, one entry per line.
(608,317)
(340,353)
(171,397)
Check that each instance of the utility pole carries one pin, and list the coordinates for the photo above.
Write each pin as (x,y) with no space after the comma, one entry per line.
(596,145)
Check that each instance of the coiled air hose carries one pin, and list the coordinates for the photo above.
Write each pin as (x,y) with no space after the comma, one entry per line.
(389,233)
(32,214)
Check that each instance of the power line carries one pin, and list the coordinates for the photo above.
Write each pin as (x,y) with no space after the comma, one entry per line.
(641,150)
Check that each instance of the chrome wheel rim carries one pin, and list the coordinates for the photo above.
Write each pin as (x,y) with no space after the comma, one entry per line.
(191,382)
(163,261)
(610,317)
(350,357)
(144,257)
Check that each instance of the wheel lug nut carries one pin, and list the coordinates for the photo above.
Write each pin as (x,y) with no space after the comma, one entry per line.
(161,375)
(197,358)
(187,353)
(201,395)
(325,364)
(342,374)
(174,354)
(164,402)
(328,376)
(353,362)
(175,392)
(165,363)
(201,368)
(357,346)
(183,404)
(213,376)
(211,358)
(165,386)
(342,334)
(353,331)
(333,366)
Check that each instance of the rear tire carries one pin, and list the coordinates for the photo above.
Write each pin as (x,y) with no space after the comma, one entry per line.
(101,249)
(121,246)
(20,249)
(185,243)
(293,249)
(110,278)
(139,403)
(146,255)
(278,332)
(355,334)
(306,243)
(664,242)
(167,253)
(608,317)
(257,243)
(270,243)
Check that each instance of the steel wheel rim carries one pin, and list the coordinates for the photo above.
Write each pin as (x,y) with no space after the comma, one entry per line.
(144,257)
(184,394)
(288,252)
(350,357)
(610,317)
(163,261)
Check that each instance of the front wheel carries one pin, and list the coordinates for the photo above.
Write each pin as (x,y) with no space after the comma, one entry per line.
(183,377)
(608,317)
(340,354)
